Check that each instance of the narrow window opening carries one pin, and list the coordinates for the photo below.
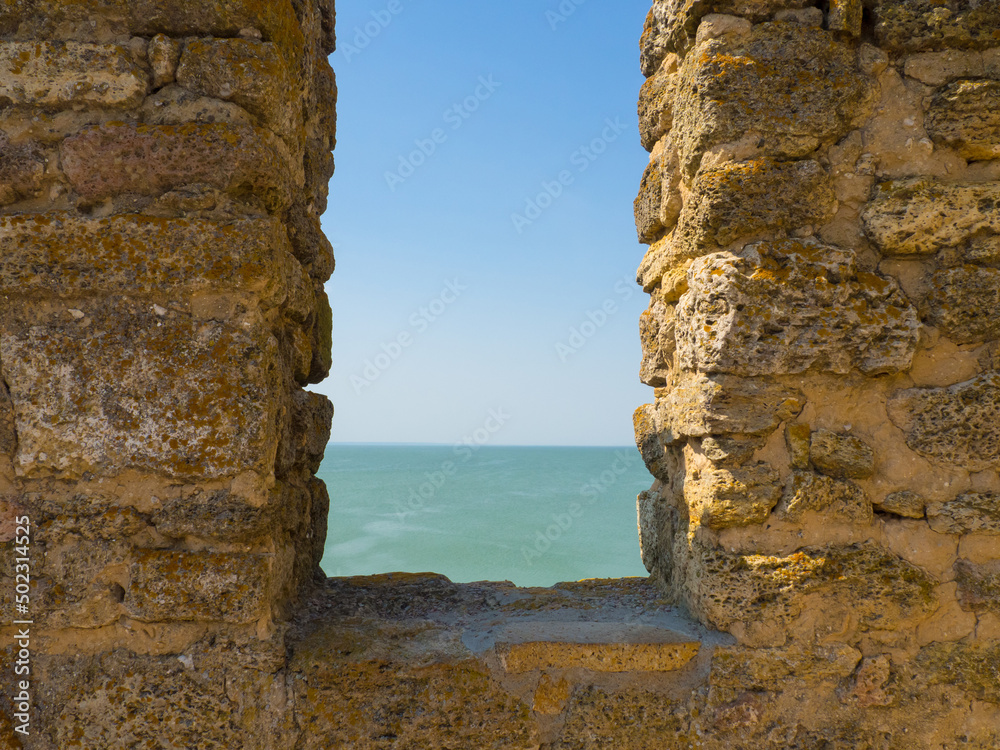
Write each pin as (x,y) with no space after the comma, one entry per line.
(486,347)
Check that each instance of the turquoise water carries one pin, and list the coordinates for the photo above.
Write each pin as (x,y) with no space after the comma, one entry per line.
(534,516)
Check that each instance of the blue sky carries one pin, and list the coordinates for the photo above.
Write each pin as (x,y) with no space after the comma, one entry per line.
(481,212)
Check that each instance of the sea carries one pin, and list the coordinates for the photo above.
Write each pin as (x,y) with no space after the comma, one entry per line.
(534,516)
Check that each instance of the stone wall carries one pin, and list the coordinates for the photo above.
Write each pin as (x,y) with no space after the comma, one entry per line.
(163,167)
(822,205)
(823,535)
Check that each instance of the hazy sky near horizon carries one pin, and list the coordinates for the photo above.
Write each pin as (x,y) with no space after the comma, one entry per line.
(481,215)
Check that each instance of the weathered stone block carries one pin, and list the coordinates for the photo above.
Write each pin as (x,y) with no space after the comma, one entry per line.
(248,73)
(938,68)
(350,691)
(601,718)
(725,498)
(881,590)
(834,499)
(217,514)
(656,332)
(216,694)
(673,24)
(919,217)
(168,586)
(979,585)
(905,503)
(656,106)
(597,657)
(64,254)
(700,405)
(60,75)
(21,171)
(791,306)
(916,25)
(275,20)
(846,16)
(731,449)
(770,669)
(964,303)
(959,425)
(841,456)
(798,438)
(971,512)
(965,115)
(647,204)
(737,201)
(647,440)
(173,105)
(164,55)
(785,89)
(654,514)
(101,393)
(972,667)
(150,160)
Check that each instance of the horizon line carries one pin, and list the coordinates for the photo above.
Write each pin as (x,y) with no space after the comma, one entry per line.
(451,445)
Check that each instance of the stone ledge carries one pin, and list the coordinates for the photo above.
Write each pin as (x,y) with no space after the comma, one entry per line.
(598,647)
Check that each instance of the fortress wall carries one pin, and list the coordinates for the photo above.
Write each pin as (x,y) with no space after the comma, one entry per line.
(821,206)
(822,536)
(163,167)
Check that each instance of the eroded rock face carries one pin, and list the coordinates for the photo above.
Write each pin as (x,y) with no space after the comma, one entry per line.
(826,285)
(919,217)
(964,116)
(959,425)
(964,301)
(969,512)
(926,25)
(745,87)
(736,201)
(161,307)
(81,385)
(790,306)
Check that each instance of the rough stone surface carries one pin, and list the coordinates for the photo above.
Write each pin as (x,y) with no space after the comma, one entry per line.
(723,498)
(928,25)
(906,503)
(784,88)
(700,405)
(81,393)
(167,585)
(958,425)
(966,117)
(151,160)
(66,255)
(979,586)
(841,456)
(60,75)
(248,73)
(919,217)
(736,201)
(964,302)
(881,590)
(656,103)
(21,171)
(969,512)
(834,499)
(791,306)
